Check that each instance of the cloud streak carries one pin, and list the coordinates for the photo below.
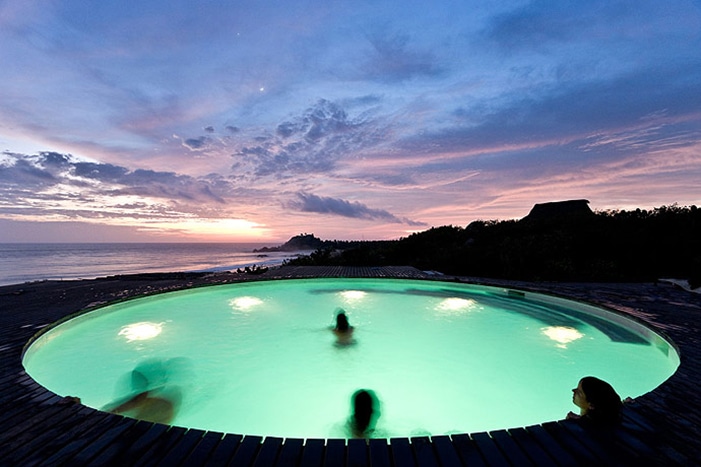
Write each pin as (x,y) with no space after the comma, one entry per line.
(308,202)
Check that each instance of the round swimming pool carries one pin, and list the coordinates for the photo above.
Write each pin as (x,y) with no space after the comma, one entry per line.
(260,358)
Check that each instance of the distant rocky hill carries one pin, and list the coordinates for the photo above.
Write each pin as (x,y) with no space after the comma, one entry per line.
(302,242)
(560,210)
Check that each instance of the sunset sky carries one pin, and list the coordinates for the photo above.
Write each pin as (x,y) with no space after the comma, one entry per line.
(259,120)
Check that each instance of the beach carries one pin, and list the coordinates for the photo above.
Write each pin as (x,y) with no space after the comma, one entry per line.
(29,262)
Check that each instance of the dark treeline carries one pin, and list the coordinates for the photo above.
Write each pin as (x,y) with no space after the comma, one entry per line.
(635,245)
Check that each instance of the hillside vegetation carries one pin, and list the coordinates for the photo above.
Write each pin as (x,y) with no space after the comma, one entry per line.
(635,245)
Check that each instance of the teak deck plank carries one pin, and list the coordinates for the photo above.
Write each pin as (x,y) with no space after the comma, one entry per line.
(467,450)
(401,452)
(357,453)
(161,446)
(290,453)
(510,449)
(52,440)
(75,445)
(123,452)
(268,452)
(225,449)
(134,450)
(577,447)
(489,449)
(335,452)
(313,453)
(445,451)
(247,450)
(599,447)
(379,453)
(423,451)
(199,455)
(182,448)
(552,446)
(530,446)
(89,452)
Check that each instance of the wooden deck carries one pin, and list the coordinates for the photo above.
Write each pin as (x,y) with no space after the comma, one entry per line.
(38,428)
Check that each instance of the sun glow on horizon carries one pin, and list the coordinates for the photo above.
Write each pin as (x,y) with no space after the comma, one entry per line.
(214,229)
(215,226)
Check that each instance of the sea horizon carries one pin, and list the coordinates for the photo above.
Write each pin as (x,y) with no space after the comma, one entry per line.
(31,262)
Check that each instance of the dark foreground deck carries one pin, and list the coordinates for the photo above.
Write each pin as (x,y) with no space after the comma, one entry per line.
(38,428)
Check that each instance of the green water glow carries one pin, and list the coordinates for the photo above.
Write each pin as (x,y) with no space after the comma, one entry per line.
(441,357)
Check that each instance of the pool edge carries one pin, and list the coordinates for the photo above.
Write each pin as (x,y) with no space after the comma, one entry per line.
(661,409)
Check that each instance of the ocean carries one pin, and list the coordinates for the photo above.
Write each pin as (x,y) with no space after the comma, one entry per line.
(28,262)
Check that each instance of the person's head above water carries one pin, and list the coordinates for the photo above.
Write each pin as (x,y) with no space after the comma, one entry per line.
(342,321)
(365,412)
(597,400)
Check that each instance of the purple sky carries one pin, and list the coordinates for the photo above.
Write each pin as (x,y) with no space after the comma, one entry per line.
(257,121)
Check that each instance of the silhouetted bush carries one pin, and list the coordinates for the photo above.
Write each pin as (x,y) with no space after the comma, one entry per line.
(635,245)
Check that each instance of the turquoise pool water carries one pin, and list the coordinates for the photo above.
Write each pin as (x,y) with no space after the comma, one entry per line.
(260,358)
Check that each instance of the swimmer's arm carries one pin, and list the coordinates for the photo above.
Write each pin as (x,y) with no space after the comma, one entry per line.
(130,404)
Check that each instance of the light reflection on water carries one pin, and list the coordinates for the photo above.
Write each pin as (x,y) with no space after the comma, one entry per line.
(441,358)
(141,331)
(562,335)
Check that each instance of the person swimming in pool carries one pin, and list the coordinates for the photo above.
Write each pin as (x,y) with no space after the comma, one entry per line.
(343,330)
(154,396)
(598,402)
(148,406)
(365,412)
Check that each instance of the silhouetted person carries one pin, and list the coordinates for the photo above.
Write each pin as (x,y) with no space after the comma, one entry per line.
(598,402)
(343,330)
(148,407)
(365,413)
(153,397)
(342,324)
(70,400)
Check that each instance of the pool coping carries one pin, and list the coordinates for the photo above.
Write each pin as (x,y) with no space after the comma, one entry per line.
(38,427)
